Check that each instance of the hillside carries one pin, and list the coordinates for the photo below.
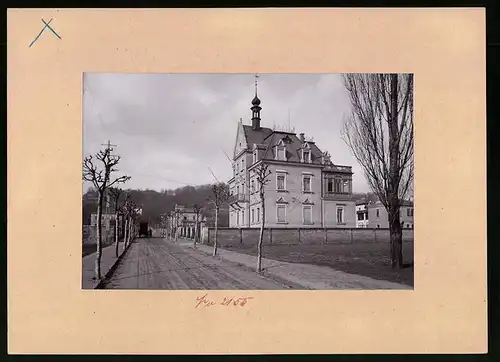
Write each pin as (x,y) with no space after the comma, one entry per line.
(155,203)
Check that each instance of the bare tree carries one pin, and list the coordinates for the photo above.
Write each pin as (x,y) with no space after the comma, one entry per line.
(197,208)
(261,174)
(164,224)
(126,213)
(116,192)
(219,197)
(177,216)
(98,170)
(129,211)
(379,132)
(170,225)
(133,217)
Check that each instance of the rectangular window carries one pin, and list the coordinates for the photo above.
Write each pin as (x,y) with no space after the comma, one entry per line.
(340,215)
(307,214)
(258,214)
(280,180)
(237,217)
(253,212)
(307,156)
(409,212)
(378,213)
(337,185)
(306,183)
(329,185)
(255,157)
(281,213)
(253,185)
(281,154)
(361,216)
(346,186)
(243,218)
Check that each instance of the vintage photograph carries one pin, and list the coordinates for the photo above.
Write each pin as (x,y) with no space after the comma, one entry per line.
(247,181)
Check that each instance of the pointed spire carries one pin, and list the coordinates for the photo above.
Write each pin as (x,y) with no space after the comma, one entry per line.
(256,108)
(256,100)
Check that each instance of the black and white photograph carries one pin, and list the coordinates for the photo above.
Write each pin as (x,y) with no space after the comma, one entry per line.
(247,181)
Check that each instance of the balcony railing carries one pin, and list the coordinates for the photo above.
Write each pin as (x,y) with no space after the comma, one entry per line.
(233,199)
(341,168)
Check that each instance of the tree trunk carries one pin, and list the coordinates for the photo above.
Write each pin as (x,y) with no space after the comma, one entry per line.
(195,231)
(177,230)
(396,237)
(393,185)
(131,231)
(97,266)
(216,224)
(125,234)
(117,229)
(261,235)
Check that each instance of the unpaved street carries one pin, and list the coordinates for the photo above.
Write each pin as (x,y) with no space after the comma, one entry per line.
(155,263)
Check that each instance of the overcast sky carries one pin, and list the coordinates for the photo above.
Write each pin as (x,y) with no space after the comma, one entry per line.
(169,128)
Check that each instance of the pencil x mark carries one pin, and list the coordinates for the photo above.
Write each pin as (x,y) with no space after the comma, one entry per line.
(41,31)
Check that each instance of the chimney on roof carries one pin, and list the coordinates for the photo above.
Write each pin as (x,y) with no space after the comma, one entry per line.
(302,138)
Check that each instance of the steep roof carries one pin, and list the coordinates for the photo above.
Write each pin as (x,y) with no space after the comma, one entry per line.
(270,138)
(293,147)
(252,136)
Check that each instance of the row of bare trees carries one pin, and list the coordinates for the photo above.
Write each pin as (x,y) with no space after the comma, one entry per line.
(98,169)
(221,197)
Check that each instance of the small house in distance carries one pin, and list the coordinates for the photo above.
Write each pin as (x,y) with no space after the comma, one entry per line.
(306,188)
(374,215)
(184,221)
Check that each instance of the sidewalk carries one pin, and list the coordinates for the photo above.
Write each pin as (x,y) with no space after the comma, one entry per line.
(108,259)
(308,276)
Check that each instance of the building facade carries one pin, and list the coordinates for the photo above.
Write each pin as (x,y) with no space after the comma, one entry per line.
(362,215)
(305,188)
(182,221)
(374,215)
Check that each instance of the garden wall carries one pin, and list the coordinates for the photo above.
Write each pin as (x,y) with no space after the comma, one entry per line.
(243,236)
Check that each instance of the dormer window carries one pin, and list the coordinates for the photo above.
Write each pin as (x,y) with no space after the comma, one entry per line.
(280,151)
(306,153)
(306,156)
(281,154)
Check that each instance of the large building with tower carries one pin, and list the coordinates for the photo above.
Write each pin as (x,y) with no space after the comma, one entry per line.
(305,188)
